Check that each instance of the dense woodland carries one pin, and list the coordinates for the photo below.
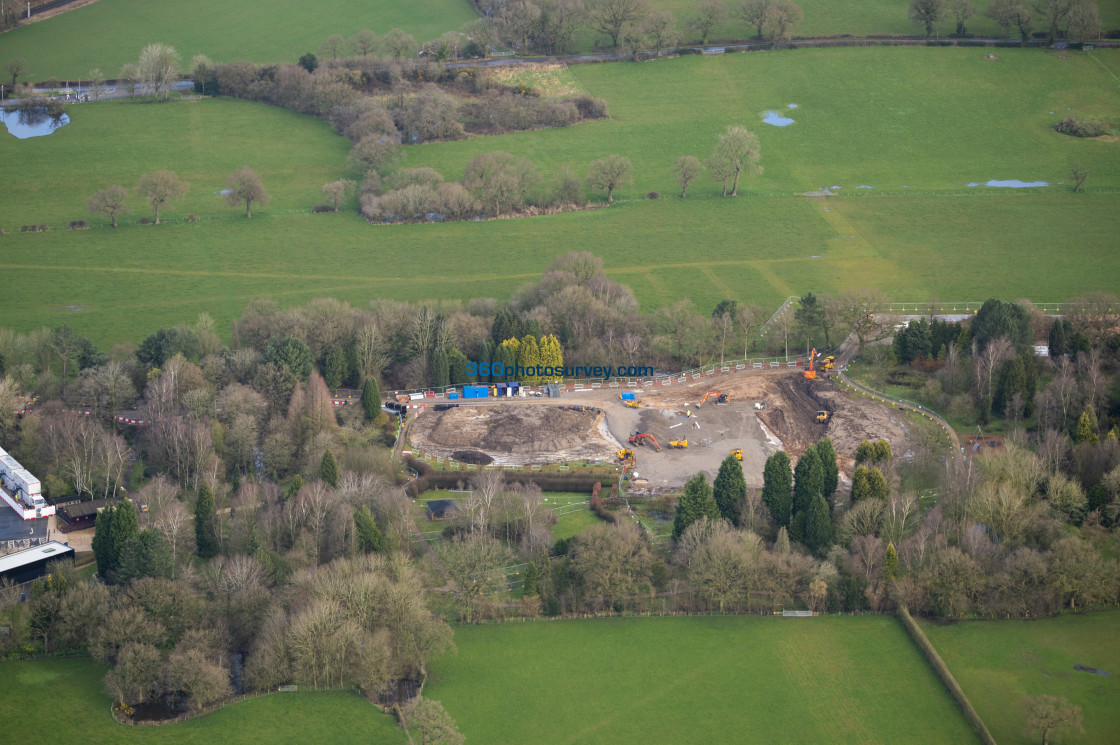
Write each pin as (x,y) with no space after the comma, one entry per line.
(274,541)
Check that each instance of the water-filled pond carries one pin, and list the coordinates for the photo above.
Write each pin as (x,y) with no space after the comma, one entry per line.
(25,124)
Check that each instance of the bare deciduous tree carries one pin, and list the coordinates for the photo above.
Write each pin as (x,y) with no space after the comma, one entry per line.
(687,168)
(109,202)
(244,185)
(609,173)
(338,191)
(611,16)
(162,189)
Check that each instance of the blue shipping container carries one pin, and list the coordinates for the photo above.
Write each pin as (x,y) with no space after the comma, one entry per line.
(453,394)
(626,396)
(475,391)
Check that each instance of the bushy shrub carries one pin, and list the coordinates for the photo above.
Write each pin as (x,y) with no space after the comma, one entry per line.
(145,221)
(1075,126)
(192,218)
(653,195)
(76,225)
(591,108)
(319,208)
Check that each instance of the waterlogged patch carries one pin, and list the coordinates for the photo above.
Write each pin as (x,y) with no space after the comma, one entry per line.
(773,117)
(792,106)
(865,186)
(1010,184)
(23,125)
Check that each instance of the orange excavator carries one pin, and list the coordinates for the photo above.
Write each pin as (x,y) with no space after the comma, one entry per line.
(639,438)
(721,398)
(809,373)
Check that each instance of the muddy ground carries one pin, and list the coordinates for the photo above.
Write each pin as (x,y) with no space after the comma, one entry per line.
(538,431)
(515,433)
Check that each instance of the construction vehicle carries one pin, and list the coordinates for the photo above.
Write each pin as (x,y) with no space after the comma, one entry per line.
(721,398)
(738,453)
(822,416)
(828,362)
(809,373)
(633,404)
(639,438)
(679,444)
(626,457)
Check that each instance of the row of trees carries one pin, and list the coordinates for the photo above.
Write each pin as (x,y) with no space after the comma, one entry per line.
(549,26)
(1071,19)
(163,188)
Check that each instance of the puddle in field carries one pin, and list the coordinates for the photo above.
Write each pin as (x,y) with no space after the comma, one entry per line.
(1010,183)
(27,124)
(773,117)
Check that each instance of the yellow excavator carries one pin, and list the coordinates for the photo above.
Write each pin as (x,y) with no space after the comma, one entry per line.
(822,416)
(828,362)
(626,456)
(738,453)
(679,444)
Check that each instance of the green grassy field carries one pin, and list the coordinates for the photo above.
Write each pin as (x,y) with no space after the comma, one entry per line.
(694,680)
(61,701)
(916,124)
(834,17)
(111,32)
(999,662)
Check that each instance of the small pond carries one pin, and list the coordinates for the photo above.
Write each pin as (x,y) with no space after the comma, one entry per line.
(773,117)
(25,124)
(1010,184)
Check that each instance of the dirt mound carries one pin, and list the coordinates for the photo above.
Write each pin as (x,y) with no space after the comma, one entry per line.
(513,433)
(474,457)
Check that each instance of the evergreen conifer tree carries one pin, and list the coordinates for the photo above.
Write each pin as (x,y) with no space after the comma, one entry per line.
(205,531)
(371,399)
(890,561)
(370,539)
(729,488)
(696,502)
(818,526)
(328,469)
(777,486)
(808,481)
(831,468)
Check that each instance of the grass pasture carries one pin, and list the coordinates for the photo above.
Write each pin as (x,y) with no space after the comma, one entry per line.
(916,124)
(999,662)
(54,701)
(109,33)
(694,680)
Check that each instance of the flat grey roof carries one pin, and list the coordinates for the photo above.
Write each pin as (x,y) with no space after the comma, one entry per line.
(46,550)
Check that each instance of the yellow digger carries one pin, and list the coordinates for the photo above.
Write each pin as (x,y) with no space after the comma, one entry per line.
(828,362)
(626,455)
(738,453)
(822,416)
(679,444)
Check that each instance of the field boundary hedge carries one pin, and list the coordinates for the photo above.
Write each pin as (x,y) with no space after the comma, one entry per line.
(946,677)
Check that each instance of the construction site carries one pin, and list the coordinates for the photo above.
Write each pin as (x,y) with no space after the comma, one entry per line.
(674,431)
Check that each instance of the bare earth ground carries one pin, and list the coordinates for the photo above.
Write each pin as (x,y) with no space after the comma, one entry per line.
(536,431)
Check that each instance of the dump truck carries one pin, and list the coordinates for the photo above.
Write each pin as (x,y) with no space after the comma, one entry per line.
(678,444)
